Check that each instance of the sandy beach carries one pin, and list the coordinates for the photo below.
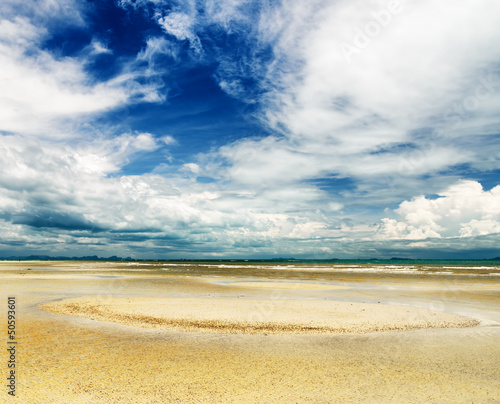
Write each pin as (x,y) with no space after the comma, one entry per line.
(123,333)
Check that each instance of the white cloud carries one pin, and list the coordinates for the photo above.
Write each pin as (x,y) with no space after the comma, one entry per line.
(42,91)
(144,141)
(133,213)
(98,48)
(158,46)
(167,139)
(73,184)
(392,229)
(19,32)
(191,167)
(59,191)
(46,12)
(180,25)
(108,155)
(462,210)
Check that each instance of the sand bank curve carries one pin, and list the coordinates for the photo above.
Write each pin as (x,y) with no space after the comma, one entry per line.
(256,316)
(287,285)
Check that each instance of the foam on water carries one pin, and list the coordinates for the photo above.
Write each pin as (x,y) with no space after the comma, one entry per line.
(382,268)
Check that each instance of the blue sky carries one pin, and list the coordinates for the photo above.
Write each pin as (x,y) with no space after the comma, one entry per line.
(255,129)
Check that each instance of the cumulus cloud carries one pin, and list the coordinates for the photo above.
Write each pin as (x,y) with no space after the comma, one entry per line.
(41,90)
(73,197)
(462,210)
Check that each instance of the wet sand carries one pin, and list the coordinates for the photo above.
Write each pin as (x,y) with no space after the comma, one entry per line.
(77,359)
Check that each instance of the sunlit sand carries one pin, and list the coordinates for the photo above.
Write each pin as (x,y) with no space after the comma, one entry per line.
(250,316)
(129,333)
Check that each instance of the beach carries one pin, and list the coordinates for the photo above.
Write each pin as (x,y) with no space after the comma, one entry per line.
(108,332)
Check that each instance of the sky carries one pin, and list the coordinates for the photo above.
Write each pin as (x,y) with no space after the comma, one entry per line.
(250,128)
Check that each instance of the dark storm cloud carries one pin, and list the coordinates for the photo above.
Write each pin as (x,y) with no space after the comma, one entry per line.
(53,219)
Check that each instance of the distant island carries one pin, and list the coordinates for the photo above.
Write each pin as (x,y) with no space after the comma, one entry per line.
(62,258)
